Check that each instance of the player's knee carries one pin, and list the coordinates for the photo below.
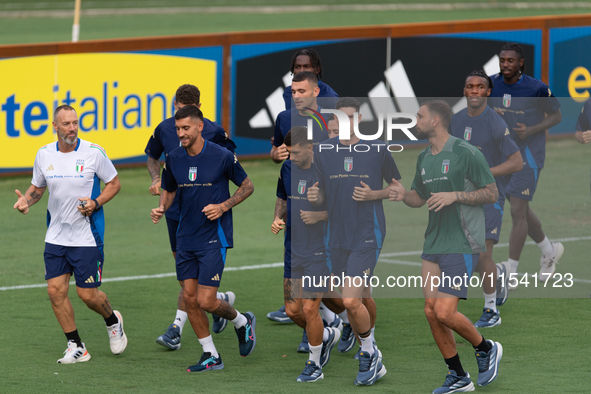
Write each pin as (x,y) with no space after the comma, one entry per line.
(518,212)
(351,303)
(445,316)
(310,310)
(293,310)
(88,296)
(430,312)
(207,303)
(56,294)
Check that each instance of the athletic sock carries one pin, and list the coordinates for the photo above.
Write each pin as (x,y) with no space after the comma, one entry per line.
(490,301)
(325,334)
(483,346)
(546,247)
(367,345)
(372,336)
(327,314)
(239,321)
(109,321)
(315,353)
(221,296)
(344,317)
(513,266)
(74,337)
(180,319)
(455,365)
(208,346)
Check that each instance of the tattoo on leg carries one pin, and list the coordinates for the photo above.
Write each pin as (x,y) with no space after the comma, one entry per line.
(225,310)
(287,291)
(107,307)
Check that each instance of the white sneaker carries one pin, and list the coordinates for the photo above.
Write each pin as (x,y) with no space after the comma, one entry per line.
(548,264)
(510,284)
(74,354)
(117,337)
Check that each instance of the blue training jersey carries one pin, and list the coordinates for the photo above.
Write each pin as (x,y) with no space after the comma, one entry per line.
(291,118)
(199,181)
(327,97)
(526,101)
(489,133)
(584,121)
(304,241)
(165,140)
(354,224)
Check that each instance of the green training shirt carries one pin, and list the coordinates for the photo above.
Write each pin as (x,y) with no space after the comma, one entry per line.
(457,228)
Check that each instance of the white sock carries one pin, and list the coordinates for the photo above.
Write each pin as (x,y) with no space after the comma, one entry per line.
(490,301)
(326,313)
(367,345)
(513,266)
(372,335)
(546,247)
(208,346)
(344,317)
(180,319)
(240,320)
(220,296)
(315,353)
(325,334)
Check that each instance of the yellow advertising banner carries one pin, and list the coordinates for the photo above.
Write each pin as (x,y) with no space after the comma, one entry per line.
(119,97)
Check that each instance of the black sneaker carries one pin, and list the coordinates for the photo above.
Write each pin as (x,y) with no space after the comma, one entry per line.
(247,339)
(207,362)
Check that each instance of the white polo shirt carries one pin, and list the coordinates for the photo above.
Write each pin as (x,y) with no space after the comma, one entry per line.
(69,176)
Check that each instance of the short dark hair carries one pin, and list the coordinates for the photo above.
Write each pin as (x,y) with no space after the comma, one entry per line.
(188,94)
(441,109)
(189,111)
(298,135)
(482,74)
(513,46)
(306,76)
(314,59)
(348,102)
(64,107)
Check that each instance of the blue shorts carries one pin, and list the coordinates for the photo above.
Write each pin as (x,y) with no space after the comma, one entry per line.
(456,271)
(353,263)
(493,219)
(316,273)
(85,262)
(523,184)
(173,226)
(206,266)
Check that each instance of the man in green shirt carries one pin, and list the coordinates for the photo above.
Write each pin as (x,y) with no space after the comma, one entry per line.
(454,179)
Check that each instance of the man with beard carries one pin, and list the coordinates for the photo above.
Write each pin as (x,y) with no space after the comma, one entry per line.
(482,127)
(72,170)
(454,179)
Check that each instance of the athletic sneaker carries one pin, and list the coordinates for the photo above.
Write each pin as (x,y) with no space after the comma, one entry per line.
(171,338)
(548,264)
(489,318)
(311,373)
(336,323)
(381,369)
(488,363)
(117,337)
(356,356)
(247,339)
(455,384)
(502,284)
(327,345)
(74,354)
(347,338)
(207,362)
(279,316)
(368,368)
(219,323)
(304,347)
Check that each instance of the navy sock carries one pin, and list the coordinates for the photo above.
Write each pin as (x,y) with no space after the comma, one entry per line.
(483,346)
(454,364)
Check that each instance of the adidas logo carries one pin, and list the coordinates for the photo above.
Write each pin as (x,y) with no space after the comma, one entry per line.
(50,168)
(423,172)
(494,231)
(216,277)
(507,132)
(89,280)
(366,272)
(525,192)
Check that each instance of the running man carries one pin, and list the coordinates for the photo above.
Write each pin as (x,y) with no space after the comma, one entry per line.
(71,170)
(482,127)
(199,172)
(529,108)
(453,178)
(164,140)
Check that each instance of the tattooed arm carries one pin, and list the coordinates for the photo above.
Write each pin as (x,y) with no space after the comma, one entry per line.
(280,216)
(214,211)
(32,195)
(486,195)
(154,170)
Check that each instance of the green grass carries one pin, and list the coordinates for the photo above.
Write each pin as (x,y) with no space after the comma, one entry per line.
(544,338)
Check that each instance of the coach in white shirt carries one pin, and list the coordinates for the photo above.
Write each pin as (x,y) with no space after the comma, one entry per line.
(72,169)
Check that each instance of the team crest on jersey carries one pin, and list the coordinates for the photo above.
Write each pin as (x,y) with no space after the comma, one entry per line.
(506,100)
(468,133)
(302,187)
(192,173)
(445,166)
(79,165)
(348,164)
